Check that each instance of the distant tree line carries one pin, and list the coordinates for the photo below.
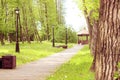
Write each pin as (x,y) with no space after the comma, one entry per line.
(35,21)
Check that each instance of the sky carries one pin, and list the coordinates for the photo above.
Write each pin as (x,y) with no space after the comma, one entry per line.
(73,16)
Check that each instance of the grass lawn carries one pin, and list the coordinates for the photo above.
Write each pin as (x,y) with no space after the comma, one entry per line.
(30,52)
(77,68)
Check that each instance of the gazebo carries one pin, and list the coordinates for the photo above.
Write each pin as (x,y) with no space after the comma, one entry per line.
(83,37)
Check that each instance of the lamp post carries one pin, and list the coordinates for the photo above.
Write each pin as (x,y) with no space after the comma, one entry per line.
(53,41)
(17,40)
(66,37)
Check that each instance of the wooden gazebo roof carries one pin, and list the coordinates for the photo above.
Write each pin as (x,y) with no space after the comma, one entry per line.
(83,33)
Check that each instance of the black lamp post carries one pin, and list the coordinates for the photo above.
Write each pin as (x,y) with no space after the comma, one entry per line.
(66,37)
(17,40)
(53,41)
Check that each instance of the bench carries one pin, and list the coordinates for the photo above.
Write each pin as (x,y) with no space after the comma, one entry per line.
(63,46)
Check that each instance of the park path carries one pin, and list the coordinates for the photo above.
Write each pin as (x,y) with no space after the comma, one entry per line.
(41,69)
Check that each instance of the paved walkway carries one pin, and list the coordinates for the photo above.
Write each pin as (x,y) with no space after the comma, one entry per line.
(39,70)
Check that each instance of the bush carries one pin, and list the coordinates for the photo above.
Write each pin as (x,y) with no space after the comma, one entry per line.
(60,34)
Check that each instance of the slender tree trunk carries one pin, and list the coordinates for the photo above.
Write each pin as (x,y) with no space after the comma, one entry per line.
(9,38)
(57,18)
(47,25)
(108,44)
(58,11)
(37,34)
(26,25)
(2,38)
(93,44)
(94,37)
(2,20)
(42,20)
(33,24)
(90,27)
(27,34)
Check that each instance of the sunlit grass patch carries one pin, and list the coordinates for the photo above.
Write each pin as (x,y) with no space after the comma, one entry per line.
(78,68)
(29,52)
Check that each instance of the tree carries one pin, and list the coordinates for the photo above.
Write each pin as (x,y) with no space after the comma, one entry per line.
(90,9)
(60,34)
(108,40)
(2,22)
(47,17)
(31,12)
(59,9)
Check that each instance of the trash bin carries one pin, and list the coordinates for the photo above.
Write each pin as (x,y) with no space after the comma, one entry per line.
(0,63)
(8,62)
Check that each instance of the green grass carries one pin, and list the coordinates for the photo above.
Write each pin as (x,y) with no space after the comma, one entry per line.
(30,52)
(78,68)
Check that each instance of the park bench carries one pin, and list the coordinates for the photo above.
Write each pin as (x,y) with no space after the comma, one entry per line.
(63,46)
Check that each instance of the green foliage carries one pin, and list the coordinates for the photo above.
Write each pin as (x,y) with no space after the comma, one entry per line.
(92,8)
(60,34)
(77,68)
(32,11)
(7,22)
(72,35)
(117,74)
(47,15)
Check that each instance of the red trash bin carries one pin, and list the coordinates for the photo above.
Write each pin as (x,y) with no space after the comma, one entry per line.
(8,62)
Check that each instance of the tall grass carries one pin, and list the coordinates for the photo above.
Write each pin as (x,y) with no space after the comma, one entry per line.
(77,68)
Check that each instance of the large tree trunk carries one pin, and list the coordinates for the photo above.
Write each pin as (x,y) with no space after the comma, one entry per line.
(108,44)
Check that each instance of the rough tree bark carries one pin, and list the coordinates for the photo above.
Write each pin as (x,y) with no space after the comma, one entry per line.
(88,21)
(108,44)
(93,44)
